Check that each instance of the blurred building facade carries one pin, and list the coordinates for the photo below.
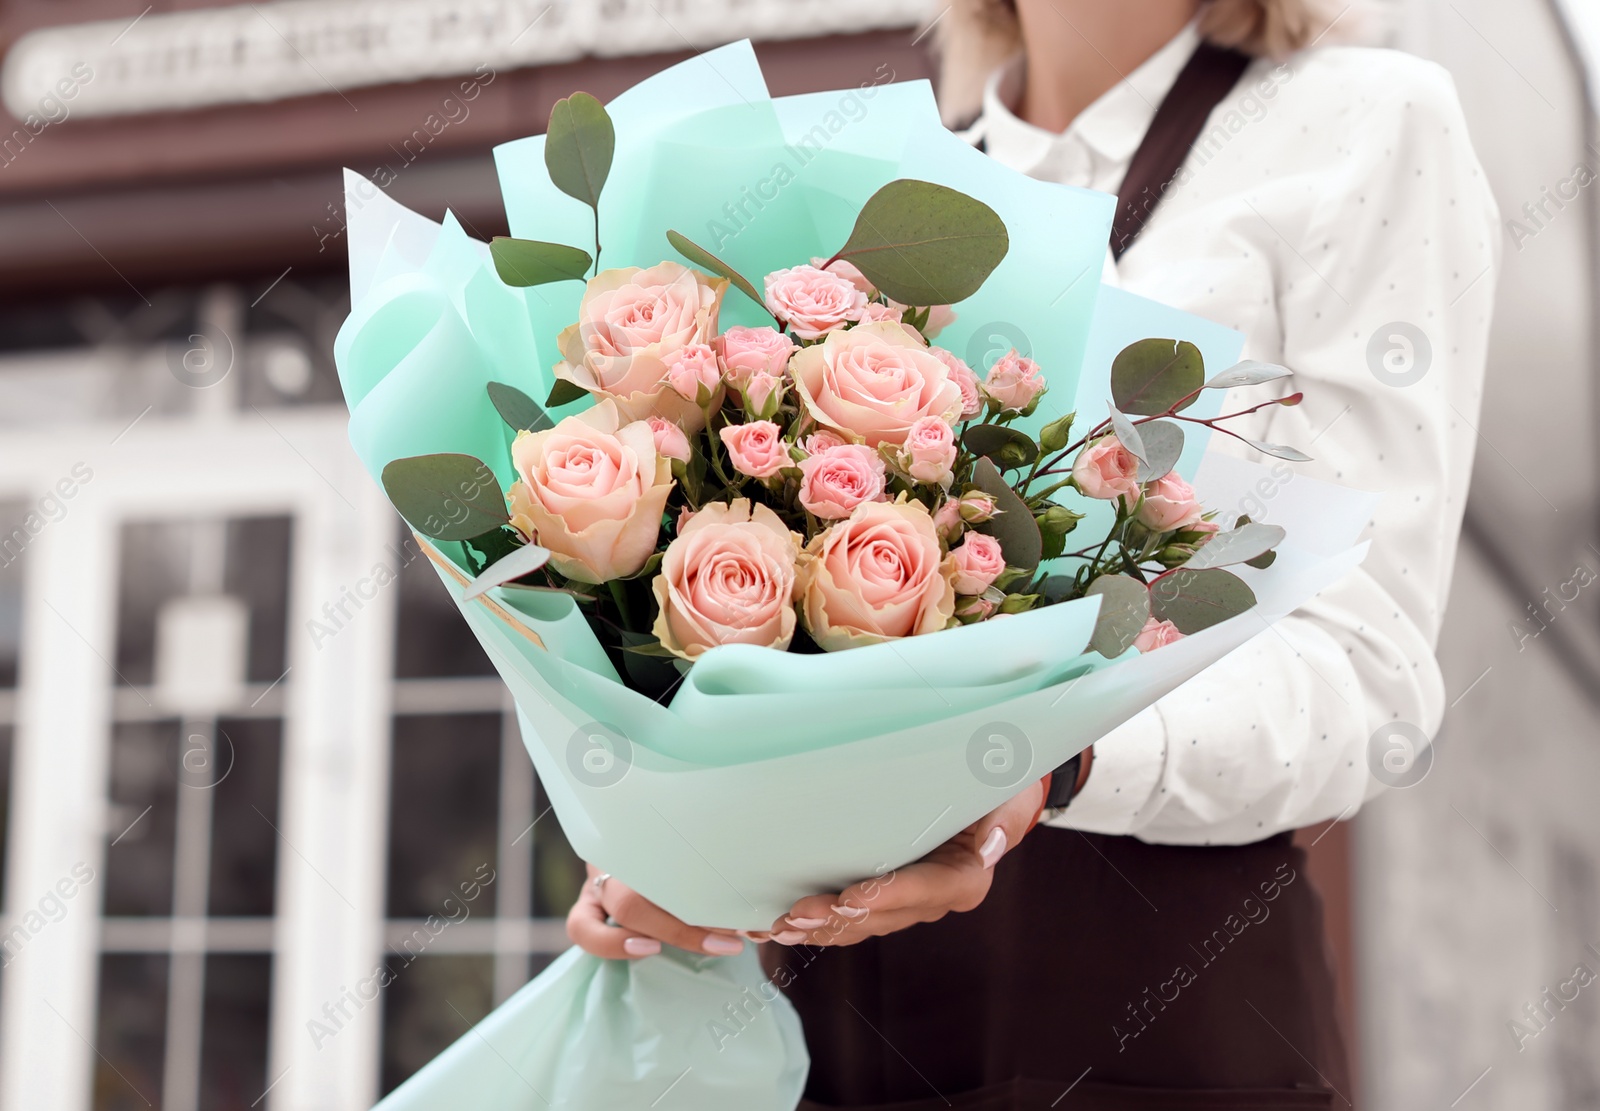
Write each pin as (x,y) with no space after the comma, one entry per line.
(248,751)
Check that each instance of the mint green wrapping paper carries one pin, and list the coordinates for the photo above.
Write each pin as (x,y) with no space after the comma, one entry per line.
(769,775)
(676,1032)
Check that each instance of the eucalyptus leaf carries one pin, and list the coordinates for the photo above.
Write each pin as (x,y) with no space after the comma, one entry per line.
(1057,588)
(1153,375)
(1013,525)
(926,244)
(1128,433)
(1006,446)
(518,409)
(1279,451)
(1248,373)
(1195,600)
(525,262)
(1124,609)
(489,547)
(1262,561)
(524,561)
(1238,546)
(1163,443)
(704,259)
(564,393)
(446,496)
(579,146)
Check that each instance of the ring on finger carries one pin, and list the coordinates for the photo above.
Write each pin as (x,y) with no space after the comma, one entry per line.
(599,883)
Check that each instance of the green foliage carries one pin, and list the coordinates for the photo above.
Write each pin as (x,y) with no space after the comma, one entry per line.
(1149,377)
(1124,609)
(704,259)
(564,393)
(517,409)
(579,146)
(506,559)
(528,262)
(1009,448)
(1247,542)
(1163,444)
(1013,525)
(926,244)
(1057,434)
(1195,600)
(446,496)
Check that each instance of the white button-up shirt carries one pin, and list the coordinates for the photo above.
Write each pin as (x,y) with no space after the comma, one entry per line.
(1334,212)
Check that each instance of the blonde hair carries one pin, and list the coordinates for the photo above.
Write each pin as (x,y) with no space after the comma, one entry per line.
(981,34)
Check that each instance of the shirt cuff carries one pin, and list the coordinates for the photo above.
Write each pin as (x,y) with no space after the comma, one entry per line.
(1127,766)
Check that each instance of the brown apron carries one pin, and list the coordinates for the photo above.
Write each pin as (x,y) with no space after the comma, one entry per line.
(1100,973)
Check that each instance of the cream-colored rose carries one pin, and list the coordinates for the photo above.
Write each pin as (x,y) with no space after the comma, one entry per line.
(878,575)
(629,321)
(593,489)
(873,382)
(728,578)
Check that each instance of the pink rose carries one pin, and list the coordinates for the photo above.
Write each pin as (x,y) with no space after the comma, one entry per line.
(947,520)
(977,507)
(878,575)
(756,449)
(961,374)
(670,440)
(930,450)
(728,578)
(847,270)
(1107,470)
(1014,382)
(812,302)
(873,382)
(821,440)
(694,373)
(763,393)
(747,351)
(1156,634)
(1169,504)
(594,490)
(837,479)
(874,312)
(979,608)
(979,563)
(1207,528)
(629,321)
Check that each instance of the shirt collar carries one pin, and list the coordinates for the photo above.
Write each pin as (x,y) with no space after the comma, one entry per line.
(1111,128)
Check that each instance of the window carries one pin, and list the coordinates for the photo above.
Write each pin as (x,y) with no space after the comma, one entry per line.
(267,803)
(190,872)
(466,818)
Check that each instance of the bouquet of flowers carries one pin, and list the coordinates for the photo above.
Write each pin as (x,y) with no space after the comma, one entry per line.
(818,547)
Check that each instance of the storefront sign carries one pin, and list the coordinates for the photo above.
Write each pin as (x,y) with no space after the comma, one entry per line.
(261,52)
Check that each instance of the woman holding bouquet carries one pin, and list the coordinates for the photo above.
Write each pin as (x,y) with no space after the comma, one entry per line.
(1154,941)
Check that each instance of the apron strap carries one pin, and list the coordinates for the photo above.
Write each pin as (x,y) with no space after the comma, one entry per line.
(1209,76)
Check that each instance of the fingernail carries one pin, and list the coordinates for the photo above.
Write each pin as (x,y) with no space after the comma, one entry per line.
(850,912)
(750,935)
(789,937)
(994,847)
(641,947)
(806,923)
(723,946)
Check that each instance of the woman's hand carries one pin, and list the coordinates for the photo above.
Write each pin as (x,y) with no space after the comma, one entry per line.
(954,876)
(641,926)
